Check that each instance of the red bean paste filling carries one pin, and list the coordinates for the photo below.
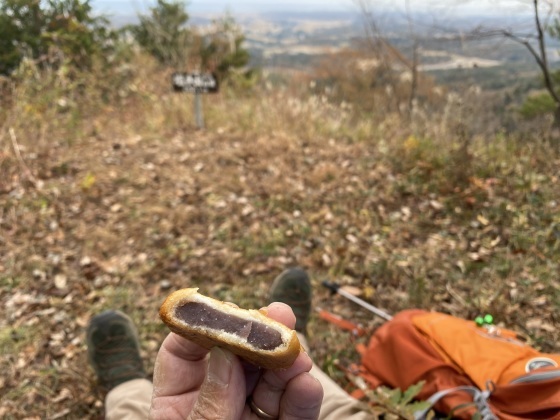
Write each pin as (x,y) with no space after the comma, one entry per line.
(201,315)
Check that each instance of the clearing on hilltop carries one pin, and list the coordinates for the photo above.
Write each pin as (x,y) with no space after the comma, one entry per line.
(414,162)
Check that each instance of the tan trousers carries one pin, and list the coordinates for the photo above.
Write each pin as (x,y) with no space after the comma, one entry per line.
(131,400)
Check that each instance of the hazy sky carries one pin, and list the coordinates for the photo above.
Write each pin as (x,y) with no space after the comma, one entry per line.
(449,7)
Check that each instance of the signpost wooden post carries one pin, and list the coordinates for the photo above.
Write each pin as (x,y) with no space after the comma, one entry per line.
(197,83)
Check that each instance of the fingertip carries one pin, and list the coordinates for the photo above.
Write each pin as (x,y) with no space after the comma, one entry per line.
(280,312)
(310,382)
(182,348)
(303,397)
(302,364)
(306,360)
(220,366)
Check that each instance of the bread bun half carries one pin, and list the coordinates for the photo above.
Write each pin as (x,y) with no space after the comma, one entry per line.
(247,333)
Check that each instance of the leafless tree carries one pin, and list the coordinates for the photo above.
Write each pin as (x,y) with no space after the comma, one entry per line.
(387,54)
(536,43)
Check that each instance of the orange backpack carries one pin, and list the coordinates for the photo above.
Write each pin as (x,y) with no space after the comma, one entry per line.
(463,364)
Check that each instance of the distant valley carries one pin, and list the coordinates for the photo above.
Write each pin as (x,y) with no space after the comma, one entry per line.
(298,40)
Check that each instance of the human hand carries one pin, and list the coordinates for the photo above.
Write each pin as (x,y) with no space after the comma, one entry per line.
(190,385)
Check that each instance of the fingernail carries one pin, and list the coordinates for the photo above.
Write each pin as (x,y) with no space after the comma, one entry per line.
(219,367)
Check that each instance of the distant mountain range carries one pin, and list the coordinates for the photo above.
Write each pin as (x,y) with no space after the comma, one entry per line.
(126,11)
(130,7)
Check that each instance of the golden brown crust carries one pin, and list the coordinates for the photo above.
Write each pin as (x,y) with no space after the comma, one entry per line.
(279,358)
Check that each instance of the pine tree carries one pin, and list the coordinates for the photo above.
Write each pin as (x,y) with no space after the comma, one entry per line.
(163,32)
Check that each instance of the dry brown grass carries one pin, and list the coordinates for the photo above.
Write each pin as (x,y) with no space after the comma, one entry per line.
(111,203)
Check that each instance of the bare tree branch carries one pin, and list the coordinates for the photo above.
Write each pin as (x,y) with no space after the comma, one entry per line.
(544,61)
(538,52)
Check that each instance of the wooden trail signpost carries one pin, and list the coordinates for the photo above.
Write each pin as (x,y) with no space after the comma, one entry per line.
(197,83)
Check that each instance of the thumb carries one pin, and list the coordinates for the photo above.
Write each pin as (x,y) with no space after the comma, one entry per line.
(222,394)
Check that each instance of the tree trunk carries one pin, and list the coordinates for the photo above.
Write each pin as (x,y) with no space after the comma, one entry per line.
(555,131)
(556,122)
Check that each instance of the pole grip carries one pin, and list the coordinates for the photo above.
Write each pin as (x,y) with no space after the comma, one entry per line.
(333,287)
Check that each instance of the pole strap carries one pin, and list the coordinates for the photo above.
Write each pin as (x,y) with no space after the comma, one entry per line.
(480,401)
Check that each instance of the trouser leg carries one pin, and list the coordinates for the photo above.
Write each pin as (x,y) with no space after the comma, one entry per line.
(129,401)
(337,403)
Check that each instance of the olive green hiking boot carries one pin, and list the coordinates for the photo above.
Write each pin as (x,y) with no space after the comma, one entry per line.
(114,349)
(293,287)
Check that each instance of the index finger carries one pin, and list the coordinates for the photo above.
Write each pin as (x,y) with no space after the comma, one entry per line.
(280,312)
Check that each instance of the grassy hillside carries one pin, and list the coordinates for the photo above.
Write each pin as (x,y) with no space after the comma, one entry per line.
(110,198)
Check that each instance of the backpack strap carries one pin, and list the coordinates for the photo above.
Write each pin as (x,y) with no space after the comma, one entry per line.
(480,400)
(537,377)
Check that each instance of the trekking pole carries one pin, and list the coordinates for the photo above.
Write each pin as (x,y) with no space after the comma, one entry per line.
(335,288)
